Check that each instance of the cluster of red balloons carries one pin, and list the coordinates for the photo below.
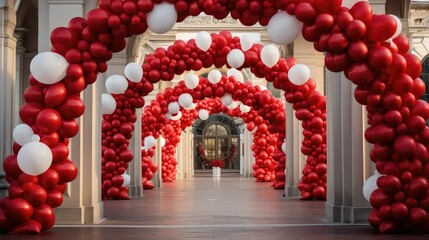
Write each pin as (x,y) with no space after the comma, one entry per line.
(388,84)
(117,129)
(148,168)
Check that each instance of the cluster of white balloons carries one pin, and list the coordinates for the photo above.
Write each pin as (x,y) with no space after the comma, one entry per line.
(162,17)
(34,157)
(49,67)
(117,84)
(126,178)
(283,28)
(370,185)
(299,74)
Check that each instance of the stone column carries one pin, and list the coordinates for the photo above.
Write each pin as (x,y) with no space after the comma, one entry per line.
(7,84)
(347,153)
(248,158)
(135,167)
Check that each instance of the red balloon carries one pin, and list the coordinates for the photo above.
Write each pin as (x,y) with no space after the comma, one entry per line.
(55,94)
(34,194)
(97,20)
(49,179)
(362,11)
(19,210)
(34,94)
(45,216)
(29,112)
(55,198)
(417,216)
(360,73)
(328,6)
(381,28)
(72,107)
(48,120)
(66,169)
(380,57)
(63,39)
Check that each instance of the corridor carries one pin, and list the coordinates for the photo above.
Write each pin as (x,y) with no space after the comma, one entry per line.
(230,207)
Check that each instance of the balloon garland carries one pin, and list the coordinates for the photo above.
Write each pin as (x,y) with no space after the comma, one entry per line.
(354,39)
(271,109)
(210,163)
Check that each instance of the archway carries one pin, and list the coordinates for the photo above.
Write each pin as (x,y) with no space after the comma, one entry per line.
(355,42)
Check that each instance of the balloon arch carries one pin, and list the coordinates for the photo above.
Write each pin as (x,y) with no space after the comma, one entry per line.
(355,40)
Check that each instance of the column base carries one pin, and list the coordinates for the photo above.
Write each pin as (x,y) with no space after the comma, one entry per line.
(3,185)
(136,191)
(79,215)
(346,214)
(292,192)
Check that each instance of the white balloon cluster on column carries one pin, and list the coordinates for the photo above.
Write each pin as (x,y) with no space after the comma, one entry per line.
(49,67)
(246,42)
(233,105)
(235,58)
(203,114)
(127,179)
(244,108)
(134,72)
(227,99)
(192,81)
(214,76)
(370,186)
(173,108)
(116,84)
(31,163)
(149,142)
(162,18)
(203,40)
(270,55)
(299,74)
(185,100)
(177,116)
(236,74)
(108,104)
(22,134)
(277,25)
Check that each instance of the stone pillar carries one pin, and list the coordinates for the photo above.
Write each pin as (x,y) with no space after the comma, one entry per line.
(7,84)
(347,153)
(135,167)
(248,158)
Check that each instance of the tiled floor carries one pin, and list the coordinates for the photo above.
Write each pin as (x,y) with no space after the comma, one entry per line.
(205,208)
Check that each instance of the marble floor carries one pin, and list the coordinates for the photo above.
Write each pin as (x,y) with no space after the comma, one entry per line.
(230,207)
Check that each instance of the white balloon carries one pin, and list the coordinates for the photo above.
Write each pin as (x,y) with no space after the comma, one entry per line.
(35,138)
(203,40)
(349,3)
(193,106)
(161,141)
(236,74)
(22,134)
(192,81)
(108,104)
(299,74)
(283,28)
(227,99)
(244,108)
(398,26)
(34,158)
(177,116)
(235,58)
(246,42)
(185,100)
(270,55)
(284,147)
(149,142)
(116,84)
(173,108)
(126,178)
(203,114)
(49,67)
(233,105)
(162,18)
(214,76)
(134,72)
(168,116)
(370,186)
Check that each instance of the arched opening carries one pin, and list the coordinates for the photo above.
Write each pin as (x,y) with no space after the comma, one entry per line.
(217,135)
